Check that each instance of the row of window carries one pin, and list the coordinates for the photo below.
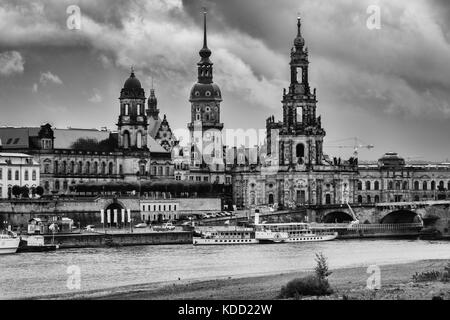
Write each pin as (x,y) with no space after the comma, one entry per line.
(80,168)
(139,109)
(404,185)
(397,198)
(17,175)
(159,207)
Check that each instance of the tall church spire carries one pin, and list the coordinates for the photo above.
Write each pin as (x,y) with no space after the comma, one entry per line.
(205,72)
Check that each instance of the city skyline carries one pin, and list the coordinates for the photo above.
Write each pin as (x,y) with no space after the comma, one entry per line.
(73,78)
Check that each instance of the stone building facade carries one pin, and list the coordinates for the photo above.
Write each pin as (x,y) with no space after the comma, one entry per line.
(17,169)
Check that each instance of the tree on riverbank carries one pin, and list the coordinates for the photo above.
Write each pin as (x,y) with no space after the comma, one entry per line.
(312,285)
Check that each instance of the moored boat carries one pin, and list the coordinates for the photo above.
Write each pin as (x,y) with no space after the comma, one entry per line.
(296,231)
(35,244)
(9,243)
(226,236)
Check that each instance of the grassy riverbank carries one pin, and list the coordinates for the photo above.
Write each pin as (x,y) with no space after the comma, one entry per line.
(348,283)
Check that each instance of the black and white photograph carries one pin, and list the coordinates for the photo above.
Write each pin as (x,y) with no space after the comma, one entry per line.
(251,152)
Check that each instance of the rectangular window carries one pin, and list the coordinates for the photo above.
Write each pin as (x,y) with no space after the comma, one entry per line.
(1,174)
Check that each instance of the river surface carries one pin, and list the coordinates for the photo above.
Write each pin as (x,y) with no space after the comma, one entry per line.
(36,274)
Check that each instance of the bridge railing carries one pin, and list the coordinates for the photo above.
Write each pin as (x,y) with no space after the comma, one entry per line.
(386,226)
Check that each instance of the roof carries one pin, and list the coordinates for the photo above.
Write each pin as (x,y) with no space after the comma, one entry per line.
(155,146)
(153,126)
(14,155)
(14,138)
(65,138)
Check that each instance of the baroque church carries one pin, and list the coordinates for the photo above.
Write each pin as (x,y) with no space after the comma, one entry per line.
(297,172)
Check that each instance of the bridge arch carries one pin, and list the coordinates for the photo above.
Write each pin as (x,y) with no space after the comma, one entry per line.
(337,217)
(401,216)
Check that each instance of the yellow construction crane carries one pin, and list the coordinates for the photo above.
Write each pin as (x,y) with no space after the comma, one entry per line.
(357,144)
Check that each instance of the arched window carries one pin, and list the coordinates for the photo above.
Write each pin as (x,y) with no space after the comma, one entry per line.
(252,198)
(120,169)
(103,168)
(111,168)
(391,185)
(360,199)
(377,199)
(441,186)
(160,171)
(369,199)
(433,185)
(328,198)
(126,140)
(359,185)
(64,167)
(9,174)
(167,171)
(16,175)
(405,185)
(72,167)
(56,167)
(424,185)
(397,185)
(300,150)
(139,140)
(367,185)
(26,175)
(377,185)
(416,185)
(80,167)
(127,109)
(95,167)
(88,167)
(57,185)
(271,198)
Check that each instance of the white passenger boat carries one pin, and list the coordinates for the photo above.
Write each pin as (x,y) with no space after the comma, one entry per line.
(9,243)
(296,231)
(233,236)
(220,236)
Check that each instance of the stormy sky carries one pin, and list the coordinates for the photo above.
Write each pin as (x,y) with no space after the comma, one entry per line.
(389,87)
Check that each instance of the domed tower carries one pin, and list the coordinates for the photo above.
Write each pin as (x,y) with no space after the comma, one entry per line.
(205,98)
(132,124)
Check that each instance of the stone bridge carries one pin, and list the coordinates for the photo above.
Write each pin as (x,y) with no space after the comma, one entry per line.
(392,212)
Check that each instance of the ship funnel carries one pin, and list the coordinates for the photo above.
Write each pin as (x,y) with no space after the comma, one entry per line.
(256,218)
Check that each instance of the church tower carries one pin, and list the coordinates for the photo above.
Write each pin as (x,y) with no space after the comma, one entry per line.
(301,133)
(205,99)
(132,124)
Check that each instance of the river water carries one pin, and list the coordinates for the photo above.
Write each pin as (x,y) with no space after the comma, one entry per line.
(35,274)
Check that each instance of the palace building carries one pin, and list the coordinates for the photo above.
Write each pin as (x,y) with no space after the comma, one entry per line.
(139,149)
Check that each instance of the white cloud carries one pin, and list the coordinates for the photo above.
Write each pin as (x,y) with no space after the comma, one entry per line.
(96,97)
(11,62)
(35,88)
(48,77)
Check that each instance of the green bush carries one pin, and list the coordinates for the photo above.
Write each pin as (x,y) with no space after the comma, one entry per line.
(307,286)
(321,267)
(433,275)
(313,285)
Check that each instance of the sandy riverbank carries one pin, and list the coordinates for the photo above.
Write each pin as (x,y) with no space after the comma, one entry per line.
(396,283)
